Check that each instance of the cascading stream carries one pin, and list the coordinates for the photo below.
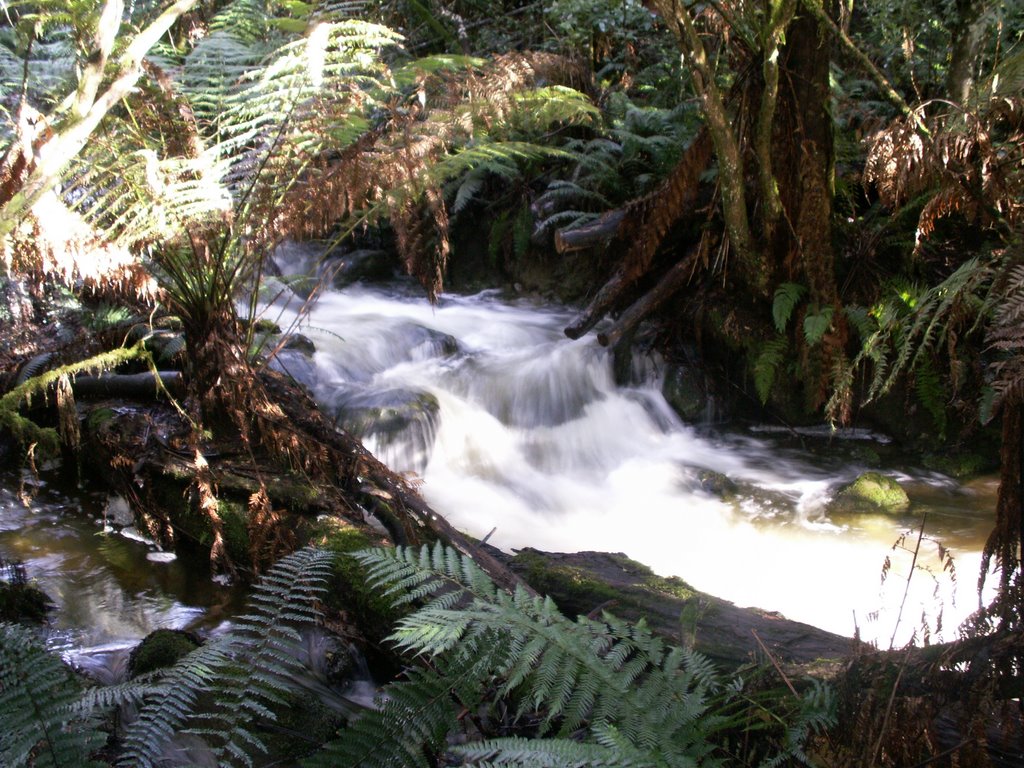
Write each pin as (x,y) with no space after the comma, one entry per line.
(510,425)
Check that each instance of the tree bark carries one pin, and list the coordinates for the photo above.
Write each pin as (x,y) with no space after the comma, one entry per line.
(667,287)
(968,38)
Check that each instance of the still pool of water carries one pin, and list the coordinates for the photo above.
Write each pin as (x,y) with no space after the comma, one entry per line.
(111,588)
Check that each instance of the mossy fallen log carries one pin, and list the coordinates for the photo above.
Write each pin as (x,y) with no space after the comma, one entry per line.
(586,582)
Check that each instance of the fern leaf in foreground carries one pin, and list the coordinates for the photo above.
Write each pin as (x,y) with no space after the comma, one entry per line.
(606,674)
(37,695)
(245,673)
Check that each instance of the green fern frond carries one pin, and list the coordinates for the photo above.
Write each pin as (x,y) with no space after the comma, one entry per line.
(468,189)
(244,674)
(500,158)
(166,713)
(37,707)
(766,366)
(787,296)
(413,71)
(816,325)
(543,753)
(565,220)
(410,725)
(539,109)
(408,575)
(564,191)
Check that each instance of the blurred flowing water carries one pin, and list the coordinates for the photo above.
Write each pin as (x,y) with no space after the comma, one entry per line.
(507,424)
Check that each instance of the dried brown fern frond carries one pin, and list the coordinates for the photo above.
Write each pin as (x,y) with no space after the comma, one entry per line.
(398,169)
(269,536)
(971,164)
(649,219)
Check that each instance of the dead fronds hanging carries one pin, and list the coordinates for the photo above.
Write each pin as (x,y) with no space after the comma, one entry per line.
(971,164)
(269,536)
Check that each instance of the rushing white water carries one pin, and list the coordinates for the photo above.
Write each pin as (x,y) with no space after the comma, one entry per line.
(510,425)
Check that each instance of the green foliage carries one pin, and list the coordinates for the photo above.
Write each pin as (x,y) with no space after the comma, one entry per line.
(637,700)
(787,296)
(243,675)
(579,692)
(816,325)
(766,367)
(27,431)
(931,393)
(37,697)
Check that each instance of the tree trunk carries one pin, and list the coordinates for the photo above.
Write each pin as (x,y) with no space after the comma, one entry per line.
(968,37)
(803,155)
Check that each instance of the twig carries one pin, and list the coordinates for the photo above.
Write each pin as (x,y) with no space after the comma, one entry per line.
(906,589)
(888,709)
(775,664)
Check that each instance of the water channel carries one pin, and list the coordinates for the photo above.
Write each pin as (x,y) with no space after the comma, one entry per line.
(510,427)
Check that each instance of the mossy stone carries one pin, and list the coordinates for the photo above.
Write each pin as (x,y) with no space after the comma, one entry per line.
(234,518)
(348,589)
(960,466)
(23,602)
(875,490)
(160,649)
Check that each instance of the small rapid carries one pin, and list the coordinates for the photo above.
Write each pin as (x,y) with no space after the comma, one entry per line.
(508,425)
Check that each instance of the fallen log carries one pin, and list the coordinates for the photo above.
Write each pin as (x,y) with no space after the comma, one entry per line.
(598,232)
(601,304)
(134,386)
(585,583)
(672,282)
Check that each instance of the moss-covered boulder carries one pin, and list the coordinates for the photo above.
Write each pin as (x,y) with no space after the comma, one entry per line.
(685,389)
(872,491)
(160,649)
(20,599)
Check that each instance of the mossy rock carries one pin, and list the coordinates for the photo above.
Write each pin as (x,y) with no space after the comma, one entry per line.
(585,583)
(234,518)
(23,602)
(301,344)
(348,591)
(717,484)
(961,466)
(874,491)
(160,649)
(684,388)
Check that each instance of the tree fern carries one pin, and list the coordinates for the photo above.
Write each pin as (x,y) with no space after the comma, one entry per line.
(37,698)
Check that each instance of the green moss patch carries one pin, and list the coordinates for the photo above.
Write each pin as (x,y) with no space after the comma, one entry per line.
(160,649)
(874,490)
